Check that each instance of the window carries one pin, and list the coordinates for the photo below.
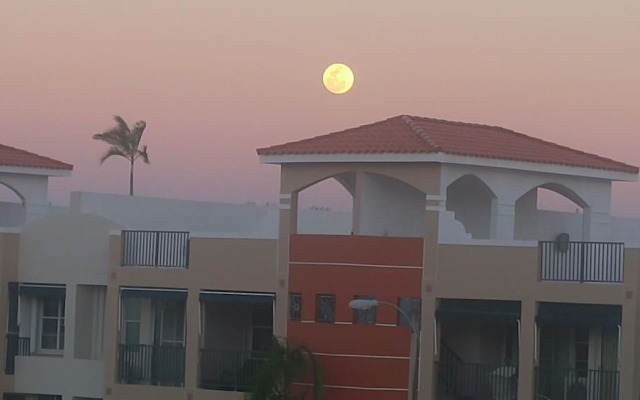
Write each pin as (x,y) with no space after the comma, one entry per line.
(52,328)
(131,311)
(412,307)
(365,317)
(169,327)
(295,307)
(326,308)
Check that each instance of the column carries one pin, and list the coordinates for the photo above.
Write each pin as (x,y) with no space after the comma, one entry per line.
(111,335)
(628,385)
(70,320)
(502,219)
(427,383)
(288,226)
(192,339)
(527,350)
(599,223)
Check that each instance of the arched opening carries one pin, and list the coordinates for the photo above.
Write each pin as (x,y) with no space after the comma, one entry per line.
(470,200)
(548,210)
(12,209)
(389,207)
(326,207)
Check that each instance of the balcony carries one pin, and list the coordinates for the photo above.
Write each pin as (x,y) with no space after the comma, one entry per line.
(569,383)
(227,369)
(581,261)
(155,249)
(162,365)
(476,381)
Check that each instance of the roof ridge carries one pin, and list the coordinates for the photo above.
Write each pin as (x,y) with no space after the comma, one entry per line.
(524,135)
(421,132)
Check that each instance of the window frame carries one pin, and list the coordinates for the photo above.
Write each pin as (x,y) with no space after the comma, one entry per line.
(365,317)
(414,312)
(329,319)
(60,325)
(126,320)
(298,311)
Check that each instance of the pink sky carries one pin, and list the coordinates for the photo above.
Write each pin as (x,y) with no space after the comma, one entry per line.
(216,79)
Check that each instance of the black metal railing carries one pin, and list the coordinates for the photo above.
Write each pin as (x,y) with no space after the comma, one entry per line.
(478,381)
(581,261)
(569,383)
(449,362)
(228,369)
(151,365)
(155,249)
(15,346)
(11,351)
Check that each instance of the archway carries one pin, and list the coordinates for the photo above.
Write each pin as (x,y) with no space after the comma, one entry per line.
(548,210)
(470,199)
(326,207)
(12,207)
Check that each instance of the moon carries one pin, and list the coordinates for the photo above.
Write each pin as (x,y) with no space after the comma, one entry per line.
(338,78)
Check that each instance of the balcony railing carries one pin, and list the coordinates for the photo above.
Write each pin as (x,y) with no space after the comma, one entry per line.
(155,249)
(478,381)
(567,383)
(228,369)
(582,261)
(15,346)
(151,365)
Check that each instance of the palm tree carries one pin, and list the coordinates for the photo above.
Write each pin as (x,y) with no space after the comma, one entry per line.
(125,143)
(285,365)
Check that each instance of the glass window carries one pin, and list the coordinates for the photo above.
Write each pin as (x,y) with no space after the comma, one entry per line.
(295,307)
(412,306)
(52,324)
(172,315)
(366,317)
(131,315)
(326,308)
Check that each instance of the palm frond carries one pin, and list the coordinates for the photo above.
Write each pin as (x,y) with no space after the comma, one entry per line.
(122,125)
(113,151)
(284,366)
(143,154)
(136,133)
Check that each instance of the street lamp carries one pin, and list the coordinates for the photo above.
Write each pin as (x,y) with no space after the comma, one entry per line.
(367,304)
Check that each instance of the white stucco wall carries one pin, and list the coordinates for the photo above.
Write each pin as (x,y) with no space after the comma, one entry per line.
(510,185)
(65,248)
(390,208)
(58,375)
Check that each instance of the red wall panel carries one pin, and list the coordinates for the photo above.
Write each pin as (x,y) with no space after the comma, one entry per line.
(363,361)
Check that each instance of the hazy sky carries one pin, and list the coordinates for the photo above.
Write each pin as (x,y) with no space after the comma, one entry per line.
(215,79)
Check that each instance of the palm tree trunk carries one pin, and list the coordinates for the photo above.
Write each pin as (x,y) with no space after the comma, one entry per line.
(131,180)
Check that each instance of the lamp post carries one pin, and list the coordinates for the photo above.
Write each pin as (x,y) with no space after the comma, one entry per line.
(366,304)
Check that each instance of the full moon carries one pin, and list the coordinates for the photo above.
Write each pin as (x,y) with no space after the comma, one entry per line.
(338,78)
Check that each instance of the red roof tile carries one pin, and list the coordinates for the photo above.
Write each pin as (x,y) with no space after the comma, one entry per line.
(405,135)
(12,157)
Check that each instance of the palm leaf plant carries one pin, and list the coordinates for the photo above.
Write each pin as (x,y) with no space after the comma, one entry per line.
(288,373)
(124,142)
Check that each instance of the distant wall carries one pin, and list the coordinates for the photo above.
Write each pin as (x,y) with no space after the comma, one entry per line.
(212,219)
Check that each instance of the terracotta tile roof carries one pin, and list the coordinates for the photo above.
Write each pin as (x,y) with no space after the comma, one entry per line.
(12,157)
(406,134)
